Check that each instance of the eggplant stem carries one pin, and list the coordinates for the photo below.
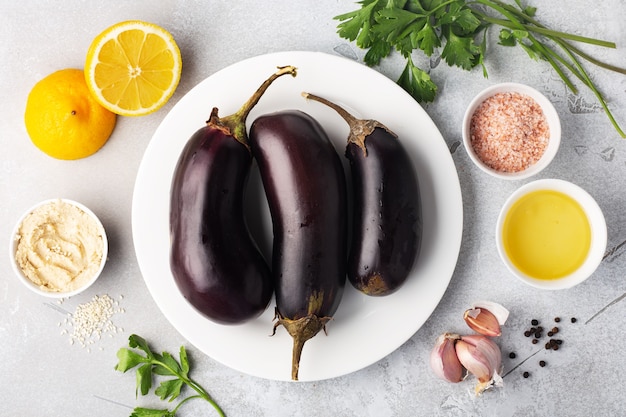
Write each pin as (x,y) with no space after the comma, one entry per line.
(360,129)
(301,330)
(235,124)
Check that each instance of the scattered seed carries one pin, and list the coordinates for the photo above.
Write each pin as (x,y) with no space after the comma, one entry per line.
(538,335)
(512,355)
(550,334)
(527,333)
(526,374)
(535,341)
(573,320)
(557,319)
(534,322)
(555,330)
(91,320)
(542,363)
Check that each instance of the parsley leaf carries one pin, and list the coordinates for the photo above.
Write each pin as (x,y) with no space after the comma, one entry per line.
(458,27)
(417,83)
(154,364)
(460,51)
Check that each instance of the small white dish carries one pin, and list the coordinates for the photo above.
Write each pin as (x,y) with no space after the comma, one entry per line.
(552,118)
(598,233)
(90,279)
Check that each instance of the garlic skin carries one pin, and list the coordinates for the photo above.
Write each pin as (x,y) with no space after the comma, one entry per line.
(486,318)
(444,361)
(482,357)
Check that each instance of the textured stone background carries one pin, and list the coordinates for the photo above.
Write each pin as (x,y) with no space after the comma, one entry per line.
(40,374)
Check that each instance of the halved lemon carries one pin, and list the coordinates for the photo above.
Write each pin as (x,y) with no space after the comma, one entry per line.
(133,67)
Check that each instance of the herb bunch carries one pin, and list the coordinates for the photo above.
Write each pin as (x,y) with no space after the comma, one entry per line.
(154,364)
(458,30)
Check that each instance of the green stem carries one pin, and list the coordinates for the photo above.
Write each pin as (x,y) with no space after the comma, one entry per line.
(593,88)
(547,53)
(576,68)
(552,57)
(175,410)
(550,32)
(593,60)
(196,387)
(571,47)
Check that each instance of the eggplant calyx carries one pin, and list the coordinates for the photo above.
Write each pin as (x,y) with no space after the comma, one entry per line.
(235,124)
(301,330)
(360,129)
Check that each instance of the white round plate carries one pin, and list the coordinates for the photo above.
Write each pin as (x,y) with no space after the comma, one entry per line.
(364,329)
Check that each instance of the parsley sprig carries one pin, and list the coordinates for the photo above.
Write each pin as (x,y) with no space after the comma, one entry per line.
(458,29)
(154,364)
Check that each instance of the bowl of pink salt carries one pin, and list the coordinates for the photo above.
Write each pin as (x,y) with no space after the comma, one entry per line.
(511,131)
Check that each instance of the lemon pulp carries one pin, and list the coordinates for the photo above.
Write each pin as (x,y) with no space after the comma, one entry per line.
(133,67)
(546,234)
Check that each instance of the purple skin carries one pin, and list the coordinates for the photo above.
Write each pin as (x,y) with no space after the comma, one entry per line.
(386,236)
(387,230)
(305,187)
(215,262)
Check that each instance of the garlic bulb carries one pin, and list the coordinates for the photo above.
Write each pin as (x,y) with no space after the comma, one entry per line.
(481,356)
(444,361)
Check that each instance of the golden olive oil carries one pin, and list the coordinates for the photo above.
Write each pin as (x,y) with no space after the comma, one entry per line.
(546,234)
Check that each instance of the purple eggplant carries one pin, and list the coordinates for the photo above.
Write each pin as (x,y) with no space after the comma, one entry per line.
(387,230)
(305,188)
(215,262)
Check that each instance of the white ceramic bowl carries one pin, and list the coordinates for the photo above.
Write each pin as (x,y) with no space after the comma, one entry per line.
(598,233)
(550,113)
(30,284)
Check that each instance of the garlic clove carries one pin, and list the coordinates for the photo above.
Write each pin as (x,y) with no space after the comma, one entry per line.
(498,310)
(444,361)
(482,321)
(480,355)
(486,318)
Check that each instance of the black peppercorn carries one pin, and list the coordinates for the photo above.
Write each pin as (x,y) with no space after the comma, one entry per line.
(542,363)
(526,374)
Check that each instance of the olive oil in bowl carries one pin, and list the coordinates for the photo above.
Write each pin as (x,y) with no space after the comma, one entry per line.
(551,234)
(546,234)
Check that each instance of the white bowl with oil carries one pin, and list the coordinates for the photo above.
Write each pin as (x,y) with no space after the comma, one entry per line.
(551,234)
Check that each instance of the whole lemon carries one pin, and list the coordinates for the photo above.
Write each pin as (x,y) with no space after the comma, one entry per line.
(63,119)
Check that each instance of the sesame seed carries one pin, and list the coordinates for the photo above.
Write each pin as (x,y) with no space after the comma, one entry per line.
(90,321)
